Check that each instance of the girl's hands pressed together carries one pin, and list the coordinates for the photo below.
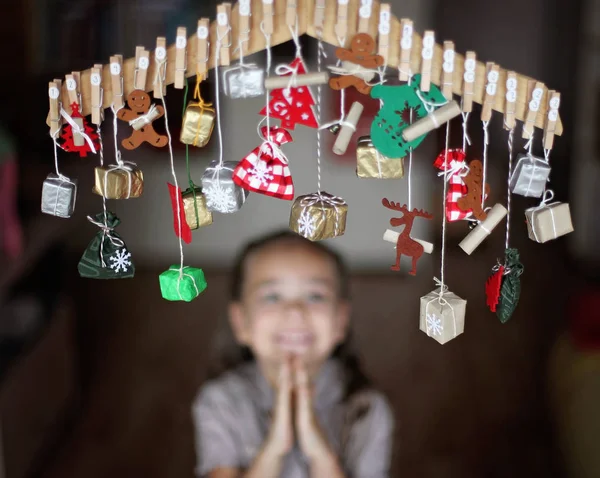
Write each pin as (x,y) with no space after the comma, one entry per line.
(281,434)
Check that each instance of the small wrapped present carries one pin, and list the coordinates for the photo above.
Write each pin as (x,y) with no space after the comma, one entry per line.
(530,176)
(442,316)
(118,181)
(548,221)
(265,169)
(198,124)
(319,216)
(58,195)
(194,204)
(244,81)
(222,194)
(106,257)
(370,163)
(183,284)
(455,172)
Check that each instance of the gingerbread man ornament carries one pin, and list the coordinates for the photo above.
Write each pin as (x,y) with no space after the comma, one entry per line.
(361,54)
(140,115)
(474,182)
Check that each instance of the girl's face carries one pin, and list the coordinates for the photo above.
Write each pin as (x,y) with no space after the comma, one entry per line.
(290,305)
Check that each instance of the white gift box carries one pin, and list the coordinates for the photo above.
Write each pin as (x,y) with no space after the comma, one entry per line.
(548,221)
(442,318)
(530,176)
(222,194)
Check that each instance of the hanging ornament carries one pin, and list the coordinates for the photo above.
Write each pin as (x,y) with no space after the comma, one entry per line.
(265,169)
(140,115)
(549,220)
(358,65)
(442,315)
(511,286)
(471,201)
(405,244)
(399,105)
(106,257)
(292,105)
(180,223)
(198,119)
(222,194)
(319,216)
(456,170)
(74,141)
(492,287)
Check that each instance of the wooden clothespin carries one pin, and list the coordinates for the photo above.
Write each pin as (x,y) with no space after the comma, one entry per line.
(160,57)
(470,68)
(341,25)
(142,62)
(268,16)
(224,32)
(491,87)
(72,88)
(54,115)
(244,11)
(537,93)
(97,94)
(364,15)
(406,41)
(510,119)
(319,19)
(59,85)
(203,50)
(448,70)
(427,59)
(180,57)
(385,19)
(291,13)
(551,119)
(116,75)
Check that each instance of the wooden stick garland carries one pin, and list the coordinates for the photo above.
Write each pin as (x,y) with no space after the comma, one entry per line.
(342,24)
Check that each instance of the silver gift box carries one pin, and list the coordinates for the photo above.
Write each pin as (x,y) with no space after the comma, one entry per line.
(246,82)
(222,194)
(530,176)
(58,196)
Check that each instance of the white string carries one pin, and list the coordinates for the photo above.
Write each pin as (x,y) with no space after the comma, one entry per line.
(217,91)
(320,53)
(429,105)
(162,64)
(509,194)
(75,129)
(410,158)
(443,251)
(269,63)
(486,141)
(466,139)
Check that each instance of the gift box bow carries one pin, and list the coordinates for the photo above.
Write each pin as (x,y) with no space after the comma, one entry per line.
(454,169)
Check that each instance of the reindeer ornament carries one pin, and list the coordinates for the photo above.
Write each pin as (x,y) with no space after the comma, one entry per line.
(405,244)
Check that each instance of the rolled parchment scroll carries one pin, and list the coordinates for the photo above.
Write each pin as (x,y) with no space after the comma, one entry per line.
(348,128)
(431,121)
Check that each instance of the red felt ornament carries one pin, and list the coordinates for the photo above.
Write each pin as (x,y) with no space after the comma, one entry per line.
(265,169)
(492,288)
(292,105)
(182,228)
(69,142)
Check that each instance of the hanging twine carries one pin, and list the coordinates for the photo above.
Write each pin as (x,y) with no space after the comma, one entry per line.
(486,140)
(269,64)
(511,134)
(443,287)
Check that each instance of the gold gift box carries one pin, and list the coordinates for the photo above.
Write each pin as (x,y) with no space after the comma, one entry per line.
(198,125)
(319,217)
(118,183)
(548,222)
(204,217)
(370,163)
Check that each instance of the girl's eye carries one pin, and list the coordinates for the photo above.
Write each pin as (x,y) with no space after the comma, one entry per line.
(271,298)
(317,297)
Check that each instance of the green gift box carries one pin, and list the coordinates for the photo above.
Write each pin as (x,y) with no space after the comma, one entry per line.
(182,284)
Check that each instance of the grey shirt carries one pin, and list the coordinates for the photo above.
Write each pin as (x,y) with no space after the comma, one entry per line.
(232,415)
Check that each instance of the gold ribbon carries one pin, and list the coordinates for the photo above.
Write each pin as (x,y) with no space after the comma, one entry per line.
(200,104)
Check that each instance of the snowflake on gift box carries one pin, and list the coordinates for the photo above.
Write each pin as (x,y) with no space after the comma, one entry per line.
(120,261)
(262,172)
(219,198)
(434,325)
(306,225)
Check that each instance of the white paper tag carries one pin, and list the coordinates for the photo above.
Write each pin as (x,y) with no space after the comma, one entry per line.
(95,79)
(511,96)
(491,88)
(144,63)
(427,53)
(384,23)
(53,92)
(407,34)
(244,8)
(202,32)
(71,84)
(181,42)
(469,75)
(160,53)
(342,2)
(554,103)
(553,115)
(268,2)
(534,105)
(366,9)
(115,69)
(493,76)
(537,94)
(222,19)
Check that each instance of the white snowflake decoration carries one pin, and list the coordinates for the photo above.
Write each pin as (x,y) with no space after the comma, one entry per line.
(219,198)
(262,172)
(120,261)
(306,225)
(434,325)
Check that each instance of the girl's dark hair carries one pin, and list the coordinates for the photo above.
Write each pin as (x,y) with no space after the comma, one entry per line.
(356,380)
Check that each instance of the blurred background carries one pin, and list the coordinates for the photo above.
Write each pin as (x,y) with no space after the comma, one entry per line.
(97,378)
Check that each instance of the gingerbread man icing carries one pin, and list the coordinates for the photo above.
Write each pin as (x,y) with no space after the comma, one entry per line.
(472,200)
(139,105)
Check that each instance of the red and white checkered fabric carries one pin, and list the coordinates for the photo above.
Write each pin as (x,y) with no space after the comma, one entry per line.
(265,170)
(456,186)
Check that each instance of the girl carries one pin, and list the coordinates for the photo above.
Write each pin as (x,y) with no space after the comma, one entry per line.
(298,406)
